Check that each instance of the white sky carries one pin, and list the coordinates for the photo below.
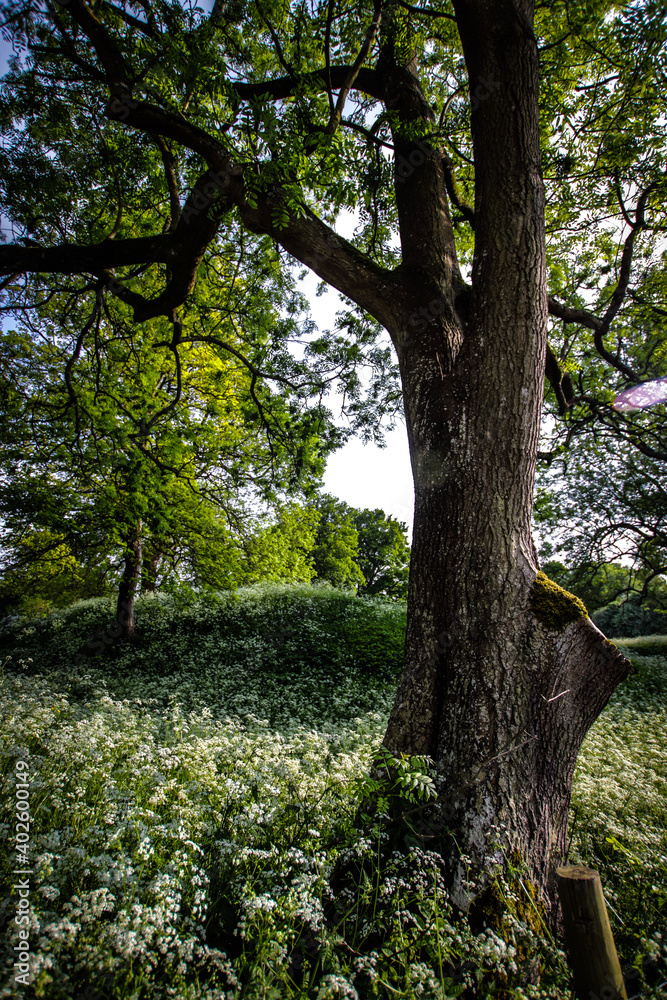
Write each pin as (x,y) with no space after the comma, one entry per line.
(365,476)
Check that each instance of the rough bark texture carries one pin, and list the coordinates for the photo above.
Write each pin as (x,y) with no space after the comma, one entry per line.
(503,675)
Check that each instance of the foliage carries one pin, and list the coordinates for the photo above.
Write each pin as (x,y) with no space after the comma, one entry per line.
(617,825)
(276,631)
(337,544)
(600,506)
(48,575)
(283,551)
(384,554)
(184,841)
(224,73)
(595,585)
(630,619)
(362,549)
(109,436)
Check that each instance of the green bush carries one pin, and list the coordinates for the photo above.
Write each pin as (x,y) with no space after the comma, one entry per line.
(630,619)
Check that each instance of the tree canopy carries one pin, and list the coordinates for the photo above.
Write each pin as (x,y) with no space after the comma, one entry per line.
(110,442)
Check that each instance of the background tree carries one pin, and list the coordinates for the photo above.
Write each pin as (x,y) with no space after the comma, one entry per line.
(181,130)
(384,554)
(336,550)
(141,453)
(603,509)
(281,551)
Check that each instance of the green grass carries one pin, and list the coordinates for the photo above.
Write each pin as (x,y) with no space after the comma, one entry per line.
(191,794)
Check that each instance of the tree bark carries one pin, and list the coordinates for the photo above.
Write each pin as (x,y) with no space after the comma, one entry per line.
(129,585)
(504,673)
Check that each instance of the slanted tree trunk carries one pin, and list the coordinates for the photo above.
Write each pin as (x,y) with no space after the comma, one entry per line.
(129,585)
(504,672)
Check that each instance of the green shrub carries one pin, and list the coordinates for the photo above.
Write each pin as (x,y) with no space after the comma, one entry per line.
(630,619)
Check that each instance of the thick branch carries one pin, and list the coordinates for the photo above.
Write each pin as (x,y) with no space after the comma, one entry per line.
(466,210)
(425,12)
(188,242)
(105,47)
(585,318)
(134,22)
(172,182)
(601,327)
(155,121)
(70,258)
(336,261)
(366,80)
(626,263)
(181,250)
(558,382)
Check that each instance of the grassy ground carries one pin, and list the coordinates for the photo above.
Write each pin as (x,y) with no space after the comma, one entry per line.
(189,797)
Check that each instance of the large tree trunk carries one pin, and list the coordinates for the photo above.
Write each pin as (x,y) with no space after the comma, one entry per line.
(129,585)
(504,674)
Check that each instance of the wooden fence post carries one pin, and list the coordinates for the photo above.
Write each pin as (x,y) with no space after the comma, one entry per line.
(590,942)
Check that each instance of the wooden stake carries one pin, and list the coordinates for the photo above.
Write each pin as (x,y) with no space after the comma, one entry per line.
(590,942)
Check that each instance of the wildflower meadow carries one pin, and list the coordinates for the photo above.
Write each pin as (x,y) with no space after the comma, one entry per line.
(189,796)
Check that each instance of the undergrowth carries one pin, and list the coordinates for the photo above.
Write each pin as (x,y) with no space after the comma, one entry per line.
(195,797)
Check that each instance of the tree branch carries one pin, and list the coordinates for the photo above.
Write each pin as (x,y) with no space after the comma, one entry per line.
(558,383)
(600,327)
(348,83)
(169,161)
(336,261)
(106,50)
(466,210)
(155,121)
(134,22)
(70,258)
(366,80)
(425,12)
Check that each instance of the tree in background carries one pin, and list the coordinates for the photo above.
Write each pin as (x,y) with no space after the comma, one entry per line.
(363,550)
(604,509)
(595,585)
(508,164)
(336,550)
(119,450)
(383,554)
(280,552)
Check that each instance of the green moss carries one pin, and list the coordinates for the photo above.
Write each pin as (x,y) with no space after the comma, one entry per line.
(509,896)
(553,606)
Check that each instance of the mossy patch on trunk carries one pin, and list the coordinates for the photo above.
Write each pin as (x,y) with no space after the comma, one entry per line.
(553,606)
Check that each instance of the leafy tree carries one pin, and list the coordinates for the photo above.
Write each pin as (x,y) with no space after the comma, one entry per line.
(384,554)
(613,502)
(282,552)
(337,545)
(595,585)
(148,454)
(183,132)
(45,573)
